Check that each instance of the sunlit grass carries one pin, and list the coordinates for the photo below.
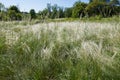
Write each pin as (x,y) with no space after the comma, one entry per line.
(60,51)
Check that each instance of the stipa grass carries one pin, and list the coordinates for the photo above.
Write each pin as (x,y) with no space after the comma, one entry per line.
(62,51)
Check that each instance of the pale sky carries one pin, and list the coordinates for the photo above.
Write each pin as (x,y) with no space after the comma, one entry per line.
(26,5)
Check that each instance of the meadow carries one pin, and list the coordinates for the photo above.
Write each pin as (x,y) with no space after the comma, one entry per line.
(75,50)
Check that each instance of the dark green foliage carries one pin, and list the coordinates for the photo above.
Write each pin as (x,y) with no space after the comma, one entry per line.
(115,2)
(60,13)
(14,13)
(14,8)
(33,14)
(90,1)
(19,16)
(43,14)
(78,9)
(68,12)
(94,8)
(11,14)
(1,15)
(54,11)
(102,8)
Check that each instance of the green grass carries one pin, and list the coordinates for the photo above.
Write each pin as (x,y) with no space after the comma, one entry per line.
(76,51)
(90,19)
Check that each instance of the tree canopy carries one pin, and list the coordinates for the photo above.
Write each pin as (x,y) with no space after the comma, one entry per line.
(32,14)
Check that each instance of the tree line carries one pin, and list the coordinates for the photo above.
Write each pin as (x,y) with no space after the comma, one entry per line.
(103,8)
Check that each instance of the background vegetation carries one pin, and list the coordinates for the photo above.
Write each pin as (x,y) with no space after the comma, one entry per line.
(101,8)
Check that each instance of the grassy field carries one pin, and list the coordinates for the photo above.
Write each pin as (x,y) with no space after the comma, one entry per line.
(60,51)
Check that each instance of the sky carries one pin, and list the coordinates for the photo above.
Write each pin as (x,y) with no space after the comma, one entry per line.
(26,5)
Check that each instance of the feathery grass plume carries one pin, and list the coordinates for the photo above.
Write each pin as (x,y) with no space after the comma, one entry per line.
(60,51)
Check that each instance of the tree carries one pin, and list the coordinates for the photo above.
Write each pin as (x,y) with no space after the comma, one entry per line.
(98,1)
(101,8)
(68,12)
(14,13)
(90,1)
(33,14)
(60,12)
(49,8)
(114,2)
(2,7)
(14,8)
(43,14)
(95,8)
(78,9)
(54,11)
